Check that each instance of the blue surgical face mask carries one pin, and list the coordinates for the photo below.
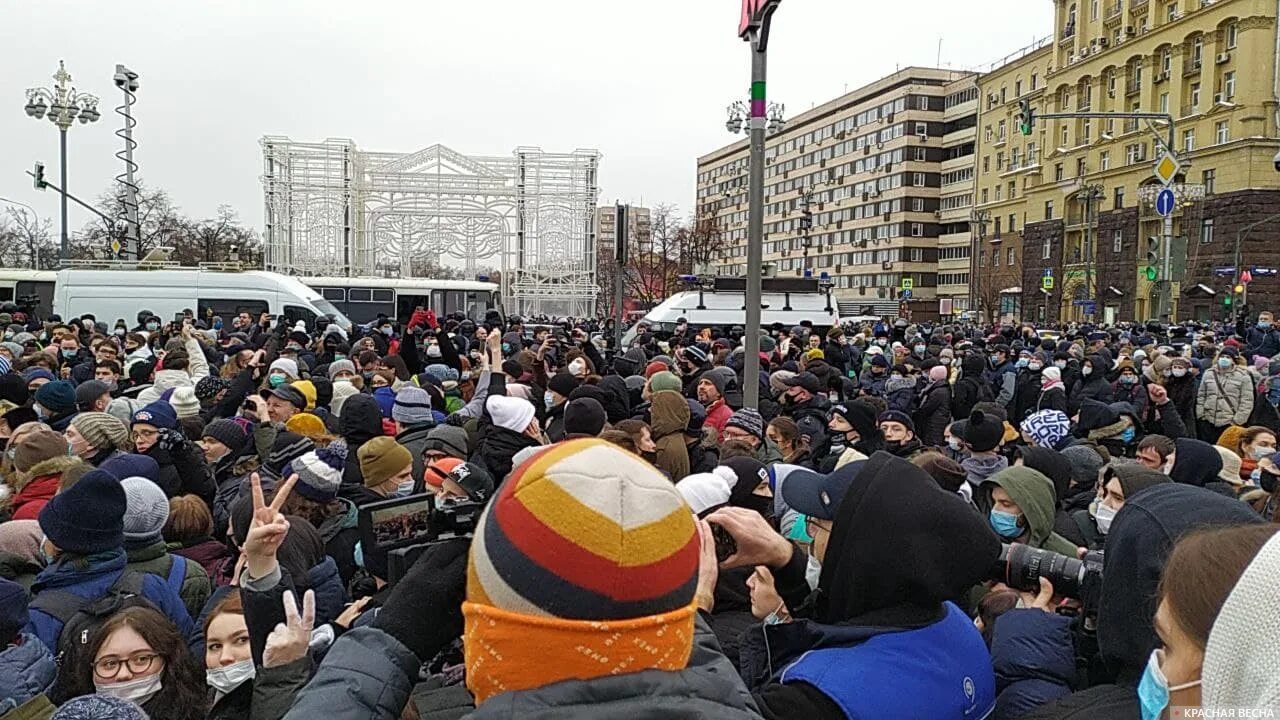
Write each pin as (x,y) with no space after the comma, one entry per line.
(276,381)
(1264,325)
(1005,524)
(1225,362)
(1128,380)
(1153,688)
(1023,362)
(153,326)
(1127,435)
(339,356)
(68,354)
(1259,453)
(404,489)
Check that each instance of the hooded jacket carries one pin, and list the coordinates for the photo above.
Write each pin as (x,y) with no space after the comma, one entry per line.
(1142,536)
(1225,398)
(1033,493)
(26,670)
(45,477)
(883,638)
(670,417)
(360,422)
(1195,462)
(972,388)
(1093,387)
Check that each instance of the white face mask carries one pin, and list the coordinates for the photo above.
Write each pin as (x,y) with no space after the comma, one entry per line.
(138,690)
(954,443)
(577,366)
(1179,372)
(1086,370)
(433,351)
(228,678)
(1104,516)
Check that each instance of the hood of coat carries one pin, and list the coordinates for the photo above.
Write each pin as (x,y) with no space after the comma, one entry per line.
(1033,492)
(1195,462)
(51,466)
(1142,535)
(26,670)
(1136,478)
(972,366)
(1052,464)
(894,510)
(361,419)
(669,413)
(1094,415)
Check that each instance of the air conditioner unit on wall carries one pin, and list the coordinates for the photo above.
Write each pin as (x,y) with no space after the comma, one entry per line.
(1223,57)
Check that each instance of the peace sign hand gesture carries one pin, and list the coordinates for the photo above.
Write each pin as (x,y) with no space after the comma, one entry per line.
(268,528)
(289,640)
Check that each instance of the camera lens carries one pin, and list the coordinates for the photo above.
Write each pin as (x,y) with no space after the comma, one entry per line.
(1021,567)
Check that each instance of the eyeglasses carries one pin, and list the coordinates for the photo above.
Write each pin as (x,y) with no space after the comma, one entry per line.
(109,667)
(145,433)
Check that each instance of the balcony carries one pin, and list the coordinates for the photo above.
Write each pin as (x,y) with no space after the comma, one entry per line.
(1192,67)
(1068,33)
(1114,13)
(1189,109)
(1130,126)
(1132,87)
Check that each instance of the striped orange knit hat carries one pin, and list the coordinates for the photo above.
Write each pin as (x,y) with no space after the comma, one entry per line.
(584,564)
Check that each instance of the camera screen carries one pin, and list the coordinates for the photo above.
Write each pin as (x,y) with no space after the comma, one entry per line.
(396,523)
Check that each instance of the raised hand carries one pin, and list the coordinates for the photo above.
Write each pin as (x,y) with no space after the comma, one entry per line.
(289,640)
(268,528)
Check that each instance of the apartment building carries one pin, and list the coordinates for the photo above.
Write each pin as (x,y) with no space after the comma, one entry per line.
(853,190)
(638,224)
(955,202)
(1078,193)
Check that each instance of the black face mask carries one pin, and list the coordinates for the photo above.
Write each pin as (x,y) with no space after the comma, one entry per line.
(759,503)
(1267,481)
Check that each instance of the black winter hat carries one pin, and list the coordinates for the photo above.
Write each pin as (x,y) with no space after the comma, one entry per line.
(858,414)
(88,517)
(14,389)
(563,383)
(584,416)
(981,431)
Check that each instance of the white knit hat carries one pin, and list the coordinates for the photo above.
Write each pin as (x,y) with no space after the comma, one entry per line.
(1242,659)
(511,413)
(184,402)
(704,491)
(342,390)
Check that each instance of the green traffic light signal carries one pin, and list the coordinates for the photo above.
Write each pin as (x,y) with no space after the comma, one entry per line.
(1226,300)
(1151,273)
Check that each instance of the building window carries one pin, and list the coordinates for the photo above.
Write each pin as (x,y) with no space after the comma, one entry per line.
(1011,257)
(1080,167)
(1228,85)
(1197,51)
(1057,172)
(1207,179)
(1171,12)
(917,204)
(1189,140)
(922,102)
(1206,231)
(1012,225)
(920,154)
(923,128)
(982,257)
(1195,97)
(998,193)
(917,179)
(999,161)
(917,229)
(1046,251)
(1035,81)
(1222,132)
(1164,102)
(996,236)
(1048,211)
(1104,160)
(986,163)
(1013,187)
(984,196)
(1166,61)
(1066,139)
(1093,9)
(1233,34)
(1017,88)
(1117,201)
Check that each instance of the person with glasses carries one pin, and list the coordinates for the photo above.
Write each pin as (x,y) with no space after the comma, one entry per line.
(138,655)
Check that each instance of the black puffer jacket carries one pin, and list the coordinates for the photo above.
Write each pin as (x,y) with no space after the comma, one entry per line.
(971,388)
(497,447)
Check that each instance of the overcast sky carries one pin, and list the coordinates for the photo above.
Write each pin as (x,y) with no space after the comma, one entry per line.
(646,83)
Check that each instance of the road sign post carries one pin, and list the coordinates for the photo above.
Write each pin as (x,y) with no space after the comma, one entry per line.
(1166,169)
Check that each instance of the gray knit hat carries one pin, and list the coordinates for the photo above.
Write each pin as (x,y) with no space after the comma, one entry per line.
(338,366)
(102,430)
(319,472)
(412,406)
(146,508)
(448,439)
(748,420)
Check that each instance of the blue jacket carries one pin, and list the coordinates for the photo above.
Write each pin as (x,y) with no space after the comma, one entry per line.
(92,582)
(1034,660)
(938,671)
(26,670)
(331,595)
(1262,342)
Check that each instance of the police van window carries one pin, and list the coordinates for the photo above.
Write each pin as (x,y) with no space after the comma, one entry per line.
(383,296)
(293,314)
(229,308)
(334,294)
(360,295)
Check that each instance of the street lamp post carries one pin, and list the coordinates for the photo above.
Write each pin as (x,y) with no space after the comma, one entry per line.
(63,106)
(979,218)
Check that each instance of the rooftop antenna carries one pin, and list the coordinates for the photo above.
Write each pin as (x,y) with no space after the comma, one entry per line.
(939,53)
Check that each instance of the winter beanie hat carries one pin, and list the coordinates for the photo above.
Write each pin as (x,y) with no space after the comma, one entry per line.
(448,439)
(99,707)
(228,432)
(38,446)
(472,478)
(1047,427)
(132,465)
(209,386)
(58,397)
(509,413)
(341,391)
(287,447)
(306,424)
(286,366)
(584,416)
(381,458)
(159,414)
(308,390)
(983,432)
(88,517)
(665,380)
(184,402)
(101,430)
(747,420)
(146,509)
(584,565)
(88,392)
(319,472)
(412,406)
(341,366)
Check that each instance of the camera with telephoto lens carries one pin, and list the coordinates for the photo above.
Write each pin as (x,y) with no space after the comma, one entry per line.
(1021,567)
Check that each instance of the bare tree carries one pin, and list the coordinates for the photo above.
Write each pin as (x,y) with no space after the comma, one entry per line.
(26,240)
(700,242)
(653,262)
(991,279)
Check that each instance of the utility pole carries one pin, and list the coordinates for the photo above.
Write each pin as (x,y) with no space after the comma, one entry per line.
(621,235)
(753,27)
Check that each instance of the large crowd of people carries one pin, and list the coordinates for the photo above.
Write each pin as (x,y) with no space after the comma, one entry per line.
(451,517)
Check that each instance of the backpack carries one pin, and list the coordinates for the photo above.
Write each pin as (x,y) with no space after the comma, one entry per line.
(81,618)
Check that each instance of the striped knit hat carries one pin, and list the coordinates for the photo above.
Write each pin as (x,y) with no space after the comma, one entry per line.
(319,472)
(584,565)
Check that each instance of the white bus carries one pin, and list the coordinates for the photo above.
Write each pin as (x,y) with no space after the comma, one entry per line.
(363,298)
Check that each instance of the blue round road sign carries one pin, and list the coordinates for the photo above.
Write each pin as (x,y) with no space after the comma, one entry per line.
(1164,202)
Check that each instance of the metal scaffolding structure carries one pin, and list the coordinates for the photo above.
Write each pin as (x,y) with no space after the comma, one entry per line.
(334,210)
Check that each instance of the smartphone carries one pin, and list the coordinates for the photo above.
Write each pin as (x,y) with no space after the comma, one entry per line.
(178,318)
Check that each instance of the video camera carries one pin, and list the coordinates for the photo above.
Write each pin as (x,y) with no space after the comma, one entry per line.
(404,527)
(1021,567)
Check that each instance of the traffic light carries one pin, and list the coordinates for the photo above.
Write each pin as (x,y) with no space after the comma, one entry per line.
(1153,257)
(1226,300)
(1026,117)
(38,177)
(1239,289)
